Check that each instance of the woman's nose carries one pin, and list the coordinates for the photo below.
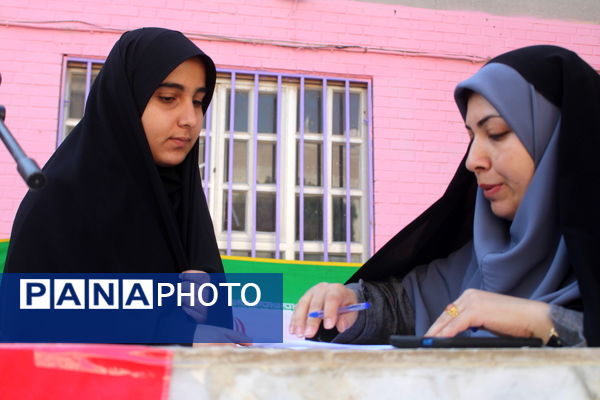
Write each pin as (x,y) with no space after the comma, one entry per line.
(477,159)
(189,115)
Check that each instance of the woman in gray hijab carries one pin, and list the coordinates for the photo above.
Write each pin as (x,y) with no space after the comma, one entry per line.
(518,269)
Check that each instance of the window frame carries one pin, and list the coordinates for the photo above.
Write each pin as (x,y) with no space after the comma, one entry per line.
(90,65)
(235,242)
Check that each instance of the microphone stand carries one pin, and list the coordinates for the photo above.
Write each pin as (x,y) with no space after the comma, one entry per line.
(27,167)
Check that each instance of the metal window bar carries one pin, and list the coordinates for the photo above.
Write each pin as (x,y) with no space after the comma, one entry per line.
(301,173)
(254,205)
(278,172)
(326,199)
(371,200)
(347,162)
(230,162)
(88,81)
(207,137)
(63,102)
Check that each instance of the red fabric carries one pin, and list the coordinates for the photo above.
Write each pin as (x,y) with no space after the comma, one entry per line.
(62,371)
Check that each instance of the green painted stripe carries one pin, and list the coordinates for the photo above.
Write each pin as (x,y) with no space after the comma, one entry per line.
(3,250)
(298,276)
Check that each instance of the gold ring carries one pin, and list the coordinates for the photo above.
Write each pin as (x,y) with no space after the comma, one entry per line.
(452,310)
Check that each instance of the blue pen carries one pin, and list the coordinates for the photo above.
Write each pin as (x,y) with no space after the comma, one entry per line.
(342,310)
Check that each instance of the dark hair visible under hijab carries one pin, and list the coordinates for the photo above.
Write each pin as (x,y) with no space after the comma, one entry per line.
(573,86)
(105,207)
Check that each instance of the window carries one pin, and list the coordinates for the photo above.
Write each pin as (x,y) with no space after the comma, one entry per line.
(287,166)
(79,75)
(285,162)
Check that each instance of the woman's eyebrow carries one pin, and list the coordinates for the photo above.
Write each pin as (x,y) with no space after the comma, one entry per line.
(173,85)
(484,120)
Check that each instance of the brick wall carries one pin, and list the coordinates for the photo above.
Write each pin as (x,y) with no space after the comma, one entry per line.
(414,57)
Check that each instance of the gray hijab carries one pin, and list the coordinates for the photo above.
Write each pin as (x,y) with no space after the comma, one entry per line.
(526,257)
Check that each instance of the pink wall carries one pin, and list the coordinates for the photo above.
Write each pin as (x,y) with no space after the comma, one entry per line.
(414,57)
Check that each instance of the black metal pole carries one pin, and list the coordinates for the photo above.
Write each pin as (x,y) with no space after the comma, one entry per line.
(27,167)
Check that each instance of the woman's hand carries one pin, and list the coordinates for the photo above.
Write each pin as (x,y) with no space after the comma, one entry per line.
(497,313)
(327,297)
(207,335)
(197,311)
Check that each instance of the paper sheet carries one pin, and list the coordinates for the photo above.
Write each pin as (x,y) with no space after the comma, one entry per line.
(309,344)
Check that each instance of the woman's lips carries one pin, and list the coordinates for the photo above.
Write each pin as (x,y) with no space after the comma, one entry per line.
(490,190)
(180,141)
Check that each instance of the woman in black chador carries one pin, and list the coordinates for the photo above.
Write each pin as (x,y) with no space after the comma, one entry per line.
(124,191)
(512,247)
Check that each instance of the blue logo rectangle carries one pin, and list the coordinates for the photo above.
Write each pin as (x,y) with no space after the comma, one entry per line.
(141,308)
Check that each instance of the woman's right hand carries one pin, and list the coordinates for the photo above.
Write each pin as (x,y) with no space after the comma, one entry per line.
(327,297)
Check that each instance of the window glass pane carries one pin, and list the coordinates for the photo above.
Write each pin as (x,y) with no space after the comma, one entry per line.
(265,212)
(339,219)
(201,158)
(355,258)
(355,117)
(76,93)
(339,113)
(236,253)
(265,254)
(95,71)
(240,161)
(313,157)
(267,112)
(354,166)
(240,123)
(310,256)
(238,213)
(312,111)
(338,168)
(313,218)
(338,173)
(69,129)
(266,162)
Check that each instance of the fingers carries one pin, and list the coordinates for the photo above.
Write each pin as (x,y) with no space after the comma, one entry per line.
(496,313)
(333,301)
(324,297)
(470,310)
(298,320)
(454,319)
(338,296)
(317,303)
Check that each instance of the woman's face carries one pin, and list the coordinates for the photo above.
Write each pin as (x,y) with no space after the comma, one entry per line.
(500,162)
(172,119)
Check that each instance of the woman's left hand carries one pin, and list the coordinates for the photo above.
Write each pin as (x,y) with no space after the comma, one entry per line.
(497,313)
(197,311)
